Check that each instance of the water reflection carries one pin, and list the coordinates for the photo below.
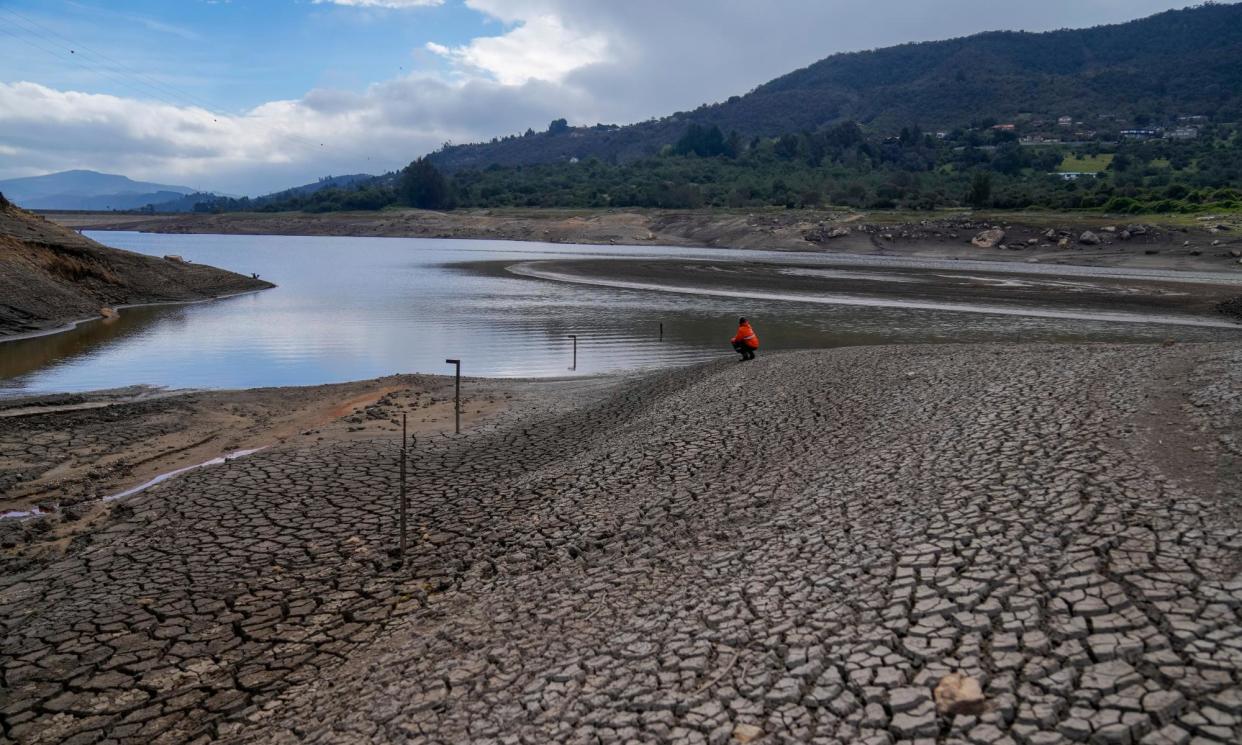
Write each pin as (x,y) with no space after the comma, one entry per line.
(354,308)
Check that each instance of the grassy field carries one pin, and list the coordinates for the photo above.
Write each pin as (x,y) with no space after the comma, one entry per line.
(1085,163)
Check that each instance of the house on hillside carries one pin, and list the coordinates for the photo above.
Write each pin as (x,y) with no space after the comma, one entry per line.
(1140,134)
(1005,127)
(1183,133)
(1065,121)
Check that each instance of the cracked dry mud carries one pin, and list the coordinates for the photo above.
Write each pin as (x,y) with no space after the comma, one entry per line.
(791,550)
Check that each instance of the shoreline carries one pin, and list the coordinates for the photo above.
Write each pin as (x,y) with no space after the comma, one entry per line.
(71,325)
(671,276)
(1214,242)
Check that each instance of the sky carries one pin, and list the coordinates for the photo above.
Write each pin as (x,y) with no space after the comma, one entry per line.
(252,96)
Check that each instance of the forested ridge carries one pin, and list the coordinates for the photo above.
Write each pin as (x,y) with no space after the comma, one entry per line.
(1139,117)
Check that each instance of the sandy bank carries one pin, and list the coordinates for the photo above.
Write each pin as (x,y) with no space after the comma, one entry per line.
(1140,296)
(1213,243)
(798,548)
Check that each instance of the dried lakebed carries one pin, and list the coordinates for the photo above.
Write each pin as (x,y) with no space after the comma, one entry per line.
(791,550)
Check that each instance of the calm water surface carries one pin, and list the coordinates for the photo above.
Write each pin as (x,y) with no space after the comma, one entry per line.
(355,308)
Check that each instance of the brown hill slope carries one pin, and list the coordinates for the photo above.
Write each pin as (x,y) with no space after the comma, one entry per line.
(51,276)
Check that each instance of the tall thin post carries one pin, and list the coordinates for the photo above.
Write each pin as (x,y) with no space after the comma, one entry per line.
(457,397)
(575,365)
(404,505)
(661,331)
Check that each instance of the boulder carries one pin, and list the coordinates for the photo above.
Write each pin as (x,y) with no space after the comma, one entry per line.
(1236,253)
(1124,235)
(1063,243)
(1090,239)
(1050,234)
(106,312)
(174,258)
(1032,241)
(958,694)
(837,233)
(988,238)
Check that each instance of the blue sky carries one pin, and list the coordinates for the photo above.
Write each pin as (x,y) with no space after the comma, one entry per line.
(250,96)
(234,55)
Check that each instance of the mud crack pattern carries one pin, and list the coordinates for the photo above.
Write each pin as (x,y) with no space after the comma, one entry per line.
(791,550)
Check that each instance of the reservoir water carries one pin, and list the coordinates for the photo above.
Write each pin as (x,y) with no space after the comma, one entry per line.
(356,308)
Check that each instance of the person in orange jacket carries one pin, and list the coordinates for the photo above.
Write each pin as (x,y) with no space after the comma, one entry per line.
(746,341)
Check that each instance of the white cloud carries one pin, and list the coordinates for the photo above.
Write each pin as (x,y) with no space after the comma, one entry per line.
(396,4)
(272,146)
(540,48)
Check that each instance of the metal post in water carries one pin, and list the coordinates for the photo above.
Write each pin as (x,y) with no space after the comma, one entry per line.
(457,399)
(661,331)
(404,507)
(575,365)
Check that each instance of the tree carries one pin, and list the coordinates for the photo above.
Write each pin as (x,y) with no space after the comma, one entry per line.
(424,187)
(558,127)
(704,142)
(980,195)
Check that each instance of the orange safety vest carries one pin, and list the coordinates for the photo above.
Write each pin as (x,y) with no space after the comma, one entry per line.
(746,335)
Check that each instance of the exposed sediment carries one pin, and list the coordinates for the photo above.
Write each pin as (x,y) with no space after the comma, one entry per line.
(797,549)
(1212,243)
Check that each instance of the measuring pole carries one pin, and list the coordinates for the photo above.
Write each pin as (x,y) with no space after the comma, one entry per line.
(403,499)
(575,365)
(457,399)
(661,331)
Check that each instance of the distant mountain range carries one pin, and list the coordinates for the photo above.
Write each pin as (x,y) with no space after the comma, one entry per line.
(1178,62)
(102,192)
(87,190)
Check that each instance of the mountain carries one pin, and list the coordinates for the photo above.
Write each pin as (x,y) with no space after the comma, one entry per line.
(1178,62)
(87,190)
(327,182)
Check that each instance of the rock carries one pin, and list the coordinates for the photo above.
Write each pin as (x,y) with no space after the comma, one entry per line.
(174,258)
(1223,227)
(1032,241)
(1090,239)
(959,694)
(1050,235)
(1063,243)
(1236,253)
(819,236)
(747,733)
(1124,235)
(1215,243)
(988,238)
(106,312)
(1109,229)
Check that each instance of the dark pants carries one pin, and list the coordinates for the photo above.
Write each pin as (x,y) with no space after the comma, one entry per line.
(746,352)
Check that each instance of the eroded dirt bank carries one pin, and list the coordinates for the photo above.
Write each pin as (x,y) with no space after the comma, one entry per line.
(50,276)
(1214,242)
(795,549)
